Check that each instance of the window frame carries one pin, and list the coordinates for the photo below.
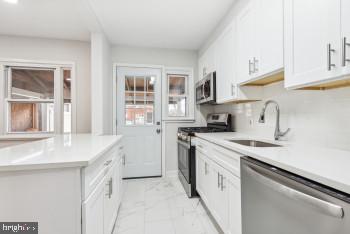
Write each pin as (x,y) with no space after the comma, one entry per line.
(189,93)
(6,99)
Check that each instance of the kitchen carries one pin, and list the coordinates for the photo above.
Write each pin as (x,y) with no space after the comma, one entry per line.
(125,118)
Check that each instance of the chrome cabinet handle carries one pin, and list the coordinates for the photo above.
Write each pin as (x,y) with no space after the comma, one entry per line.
(329,57)
(205,168)
(233,93)
(108,162)
(255,65)
(222,183)
(123,160)
(250,67)
(344,46)
(110,188)
(314,202)
(218,180)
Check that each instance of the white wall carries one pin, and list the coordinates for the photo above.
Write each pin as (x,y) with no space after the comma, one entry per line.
(319,118)
(57,50)
(171,58)
(102,83)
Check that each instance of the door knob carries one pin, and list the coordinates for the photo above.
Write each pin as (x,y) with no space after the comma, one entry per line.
(158,131)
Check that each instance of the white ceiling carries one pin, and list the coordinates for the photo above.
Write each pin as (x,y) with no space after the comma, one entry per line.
(58,19)
(180,24)
(176,24)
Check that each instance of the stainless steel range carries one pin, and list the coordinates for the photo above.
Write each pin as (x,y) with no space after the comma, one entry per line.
(186,149)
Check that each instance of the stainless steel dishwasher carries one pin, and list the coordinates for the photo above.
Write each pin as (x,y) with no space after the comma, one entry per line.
(275,201)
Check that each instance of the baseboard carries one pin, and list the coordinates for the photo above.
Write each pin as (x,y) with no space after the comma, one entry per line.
(171,174)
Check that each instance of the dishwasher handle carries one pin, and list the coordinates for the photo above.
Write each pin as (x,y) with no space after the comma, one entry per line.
(316,203)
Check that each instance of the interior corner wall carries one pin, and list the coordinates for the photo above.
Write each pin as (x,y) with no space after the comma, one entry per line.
(101,83)
(28,48)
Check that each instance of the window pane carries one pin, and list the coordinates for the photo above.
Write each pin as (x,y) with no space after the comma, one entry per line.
(129,83)
(31,83)
(177,85)
(67,100)
(150,82)
(135,115)
(177,106)
(129,98)
(149,114)
(140,83)
(31,117)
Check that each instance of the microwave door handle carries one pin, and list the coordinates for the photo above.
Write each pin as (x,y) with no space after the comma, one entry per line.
(318,204)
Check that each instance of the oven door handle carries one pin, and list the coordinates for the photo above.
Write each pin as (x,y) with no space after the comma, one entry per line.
(186,145)
(314,202)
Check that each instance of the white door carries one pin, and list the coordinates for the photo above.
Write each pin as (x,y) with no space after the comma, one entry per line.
(310,26)
(139,120)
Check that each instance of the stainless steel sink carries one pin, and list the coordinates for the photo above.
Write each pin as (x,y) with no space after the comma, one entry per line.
(253,143)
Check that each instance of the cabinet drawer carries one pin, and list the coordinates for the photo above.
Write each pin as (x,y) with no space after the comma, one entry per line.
(228,159)
(93,174)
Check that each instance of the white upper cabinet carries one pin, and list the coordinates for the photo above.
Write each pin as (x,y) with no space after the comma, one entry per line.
(312,41)
(269,42)
(226,88)
(259,40)
(345,37)
(206,62)
(246,42)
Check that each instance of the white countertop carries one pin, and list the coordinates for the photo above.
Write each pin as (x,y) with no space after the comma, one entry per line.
(58,151)
(327,166)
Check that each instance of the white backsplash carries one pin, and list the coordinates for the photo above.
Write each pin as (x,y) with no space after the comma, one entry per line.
(318,118)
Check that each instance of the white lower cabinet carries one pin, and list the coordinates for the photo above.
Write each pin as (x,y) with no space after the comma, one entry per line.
(100,207)
(92,211)
(220,191)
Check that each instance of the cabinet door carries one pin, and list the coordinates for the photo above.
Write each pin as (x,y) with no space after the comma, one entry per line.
(309,27)
(93,211)
(345,22)
(220,199)
(246,42)
(202,170)
(269,51)
(234,205)
(111,198)
(225,65)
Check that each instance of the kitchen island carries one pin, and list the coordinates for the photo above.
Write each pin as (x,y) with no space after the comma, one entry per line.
(69,184)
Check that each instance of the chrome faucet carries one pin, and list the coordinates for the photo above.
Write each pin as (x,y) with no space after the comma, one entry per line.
(278,133)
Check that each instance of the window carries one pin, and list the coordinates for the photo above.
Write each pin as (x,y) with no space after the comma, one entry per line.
(179,95)
(139,100)
(37,100)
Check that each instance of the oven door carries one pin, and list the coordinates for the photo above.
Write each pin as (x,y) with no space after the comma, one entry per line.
(184,159)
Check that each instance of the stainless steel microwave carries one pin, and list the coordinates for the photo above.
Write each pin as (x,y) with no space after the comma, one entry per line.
(206,89)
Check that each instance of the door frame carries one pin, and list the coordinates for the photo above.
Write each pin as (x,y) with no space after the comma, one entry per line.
(114,102)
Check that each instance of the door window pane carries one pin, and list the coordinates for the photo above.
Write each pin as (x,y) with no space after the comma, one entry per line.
(150,81)
(67,100)
(139,100)
(140,83)
(177,85)
(31,117)
(129,83)
(177,106)
(32,84)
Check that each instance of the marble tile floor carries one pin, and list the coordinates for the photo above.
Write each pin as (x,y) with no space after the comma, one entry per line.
(160,206)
